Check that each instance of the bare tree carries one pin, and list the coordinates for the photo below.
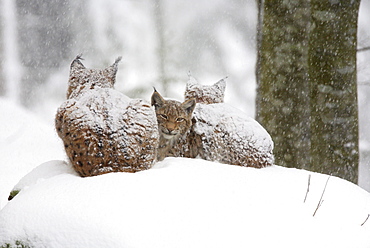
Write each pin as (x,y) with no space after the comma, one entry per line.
(2,82)
(282,78)
(307,95)
(333,78)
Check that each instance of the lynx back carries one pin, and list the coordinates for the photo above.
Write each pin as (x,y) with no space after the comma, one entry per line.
(103,130)
(222,133)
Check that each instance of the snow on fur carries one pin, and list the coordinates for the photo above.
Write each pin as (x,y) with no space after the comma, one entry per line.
(205,94)
(229,136)
(222,133)
(103,130)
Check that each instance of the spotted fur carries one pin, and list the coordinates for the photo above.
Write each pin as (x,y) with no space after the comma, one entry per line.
(222,133)
(174,121)
(103,130)
(206,94)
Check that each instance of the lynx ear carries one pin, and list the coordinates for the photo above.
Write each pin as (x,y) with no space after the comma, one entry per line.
(111,71)
(77,64)
(221,84)
(157,99)
(191,81)
(189,105)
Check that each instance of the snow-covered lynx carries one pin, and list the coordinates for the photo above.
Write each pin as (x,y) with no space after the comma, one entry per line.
(103,130)
(206,94)
(222,133)
(174,121)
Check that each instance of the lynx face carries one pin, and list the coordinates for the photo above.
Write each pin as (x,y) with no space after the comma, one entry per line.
(174,118)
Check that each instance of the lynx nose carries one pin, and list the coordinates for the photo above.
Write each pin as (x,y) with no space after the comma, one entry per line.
(171,126)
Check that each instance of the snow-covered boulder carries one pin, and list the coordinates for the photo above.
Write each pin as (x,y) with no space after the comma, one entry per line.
(184,202)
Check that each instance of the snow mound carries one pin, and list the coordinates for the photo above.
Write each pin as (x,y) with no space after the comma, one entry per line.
(44,171)
(25,142)
(184,202)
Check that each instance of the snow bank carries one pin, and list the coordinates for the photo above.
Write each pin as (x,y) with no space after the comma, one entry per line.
(25,142)
(186,203)
(178,203)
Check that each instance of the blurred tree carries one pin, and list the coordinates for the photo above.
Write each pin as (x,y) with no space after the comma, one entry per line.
(162,45)
(282,78)
(44,40)
(306,75)
(2,82)
(334,109)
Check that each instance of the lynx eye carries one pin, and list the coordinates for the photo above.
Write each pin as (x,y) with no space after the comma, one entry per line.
(163,116)
(180,119)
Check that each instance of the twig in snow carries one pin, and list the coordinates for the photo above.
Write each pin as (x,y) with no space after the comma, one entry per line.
(365,220)
(321,200)
(364,83)
(363,49)
(308,187)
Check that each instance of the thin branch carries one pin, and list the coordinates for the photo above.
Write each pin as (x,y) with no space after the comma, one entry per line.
(321,200)
(365,220)
(308,187)
(363,49)
(364,83)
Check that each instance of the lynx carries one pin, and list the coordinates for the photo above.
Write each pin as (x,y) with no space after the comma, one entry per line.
(103,130)
(174,121)
(222,133)
(206,94)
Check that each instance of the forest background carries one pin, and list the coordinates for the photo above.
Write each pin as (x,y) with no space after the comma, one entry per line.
(159,40)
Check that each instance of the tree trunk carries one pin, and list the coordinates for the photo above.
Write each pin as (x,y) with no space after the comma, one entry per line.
(306,75)
(334,110)
(282,75)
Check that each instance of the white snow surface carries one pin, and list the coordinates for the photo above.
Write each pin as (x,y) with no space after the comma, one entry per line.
(25,142)
(178,203)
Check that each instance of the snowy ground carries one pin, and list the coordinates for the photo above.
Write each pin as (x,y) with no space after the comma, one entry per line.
(178,203)
(25,142)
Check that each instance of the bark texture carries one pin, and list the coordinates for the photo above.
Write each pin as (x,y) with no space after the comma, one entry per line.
(283,87)
(334,109)
(307,94)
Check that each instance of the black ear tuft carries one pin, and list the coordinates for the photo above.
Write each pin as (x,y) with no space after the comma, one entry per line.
(117,60)
(79,56)
(76,63)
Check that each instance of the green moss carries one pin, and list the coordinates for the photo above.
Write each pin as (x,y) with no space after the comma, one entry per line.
(18,244)
(12,195)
